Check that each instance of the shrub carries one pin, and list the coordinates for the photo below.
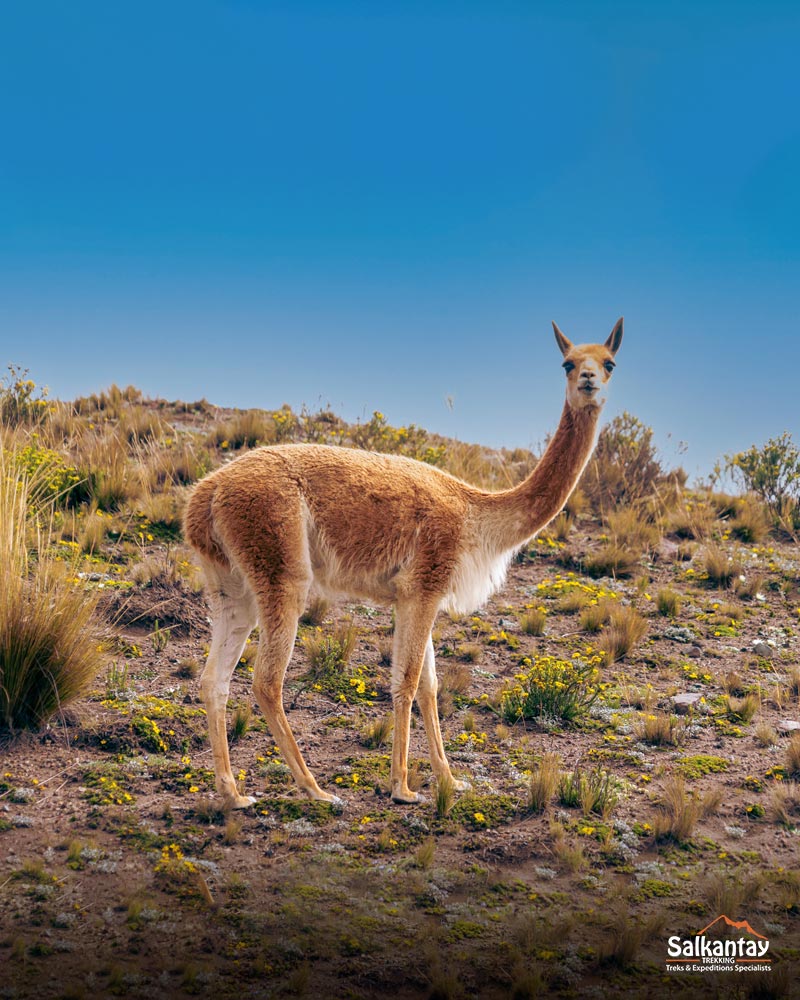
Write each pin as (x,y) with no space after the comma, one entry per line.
(553,688)
(50,644)
(624,467)
(772,471)
(20,400)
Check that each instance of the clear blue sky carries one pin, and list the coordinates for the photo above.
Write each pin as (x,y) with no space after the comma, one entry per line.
(379,206)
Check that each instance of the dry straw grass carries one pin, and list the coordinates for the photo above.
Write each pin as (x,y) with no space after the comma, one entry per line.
(50,643)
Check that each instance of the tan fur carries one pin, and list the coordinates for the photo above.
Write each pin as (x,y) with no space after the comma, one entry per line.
(277,520)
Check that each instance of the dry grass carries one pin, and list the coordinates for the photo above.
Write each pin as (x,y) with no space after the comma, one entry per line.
(544,782)
(742,709)
(679,810)
(612,559)
(445,797)
(626,628)
(720,568)
(377,733)
(595,616)
(668,602)
(470,652)
(50,642)
(750,523)
(793,756)
(316,612)
(630,529)
(660,729)
(784,804)
(248,429)
(572,602)
(533,621)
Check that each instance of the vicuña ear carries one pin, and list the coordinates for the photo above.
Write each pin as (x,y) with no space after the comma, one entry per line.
(615,339)
(564,344)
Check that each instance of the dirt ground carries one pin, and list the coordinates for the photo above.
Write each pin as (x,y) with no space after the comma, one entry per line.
(119,876)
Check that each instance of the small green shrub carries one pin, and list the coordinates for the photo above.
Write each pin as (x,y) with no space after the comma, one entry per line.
(771,471)
(551,688)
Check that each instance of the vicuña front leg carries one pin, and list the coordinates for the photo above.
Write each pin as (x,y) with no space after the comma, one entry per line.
(411,633)
(278,632)
(233,619)
(426,699)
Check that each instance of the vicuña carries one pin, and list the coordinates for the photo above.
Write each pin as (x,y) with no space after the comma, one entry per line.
(279,520)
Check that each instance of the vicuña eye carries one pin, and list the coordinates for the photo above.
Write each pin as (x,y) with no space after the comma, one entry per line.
(568,366)
(609,366)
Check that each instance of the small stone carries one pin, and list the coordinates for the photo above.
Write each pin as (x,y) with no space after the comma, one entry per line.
(764,649)
(788,726)
(683,702)
(695,652)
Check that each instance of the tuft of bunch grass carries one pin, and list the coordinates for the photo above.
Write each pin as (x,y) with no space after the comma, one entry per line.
(50,642)
(377,733)
(720,568)
(742,709)
(595,616)
(680,810)
(533,621)
(626,628)
(612,559)
(793,756)
(544,782)
(668,602)
(659,729)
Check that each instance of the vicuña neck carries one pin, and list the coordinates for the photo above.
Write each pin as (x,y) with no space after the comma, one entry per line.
(514,515)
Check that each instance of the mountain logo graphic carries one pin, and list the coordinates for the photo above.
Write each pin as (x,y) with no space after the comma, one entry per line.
(739,925)
(741,948)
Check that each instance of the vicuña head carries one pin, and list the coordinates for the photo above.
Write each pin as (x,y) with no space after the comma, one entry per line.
(588,367)
(281,521)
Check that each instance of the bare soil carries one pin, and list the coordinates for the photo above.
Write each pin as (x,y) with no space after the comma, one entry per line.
(119,876)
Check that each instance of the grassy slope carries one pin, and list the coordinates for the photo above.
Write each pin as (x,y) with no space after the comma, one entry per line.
(121,877)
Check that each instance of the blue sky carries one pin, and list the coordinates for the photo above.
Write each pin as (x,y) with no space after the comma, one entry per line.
(380,206)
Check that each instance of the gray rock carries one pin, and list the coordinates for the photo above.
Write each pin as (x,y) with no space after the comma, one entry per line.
(764,649)
(679,633)
(788,726)
(686,701)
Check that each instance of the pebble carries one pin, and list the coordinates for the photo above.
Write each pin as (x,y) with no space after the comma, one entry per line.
(763,649)
(683,702)
(788,726)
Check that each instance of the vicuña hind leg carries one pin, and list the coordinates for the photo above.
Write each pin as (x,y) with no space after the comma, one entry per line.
(411,633)
(278,630)
(426,699)
(233,616)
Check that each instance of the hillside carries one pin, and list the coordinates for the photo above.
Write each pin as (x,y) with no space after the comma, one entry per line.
(626,710)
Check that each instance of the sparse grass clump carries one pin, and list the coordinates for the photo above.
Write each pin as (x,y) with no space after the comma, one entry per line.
(376,734)
(742,709)
(793,756)
(595,615)
(50,642)
(626,628)
(551,688)
(784,804)
(612,559)
(316,612)
(544,782)
(596,791)
(244,430)
(668,602)
(720,568)
(659,729)
(533,621)
(679,810)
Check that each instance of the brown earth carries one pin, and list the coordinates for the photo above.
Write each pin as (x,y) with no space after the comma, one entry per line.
(120,877)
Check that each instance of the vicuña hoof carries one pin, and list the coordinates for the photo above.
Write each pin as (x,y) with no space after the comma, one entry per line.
(240,802)
(408,797)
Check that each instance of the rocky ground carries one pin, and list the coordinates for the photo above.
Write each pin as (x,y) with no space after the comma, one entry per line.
(674,800)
